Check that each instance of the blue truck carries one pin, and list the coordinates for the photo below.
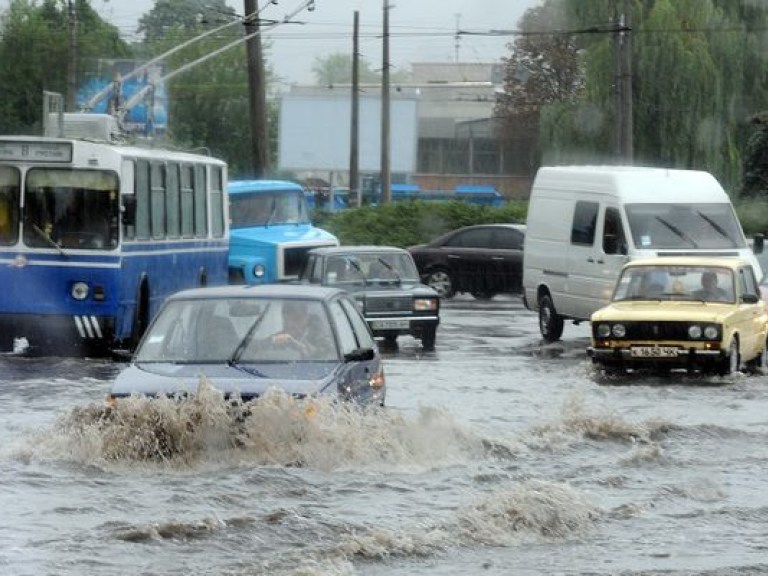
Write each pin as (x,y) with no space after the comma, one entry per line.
(270,231)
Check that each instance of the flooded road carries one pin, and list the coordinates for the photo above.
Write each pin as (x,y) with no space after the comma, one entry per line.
(496,455)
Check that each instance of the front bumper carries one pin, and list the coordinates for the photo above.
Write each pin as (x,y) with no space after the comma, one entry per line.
(412,325)
(687,356)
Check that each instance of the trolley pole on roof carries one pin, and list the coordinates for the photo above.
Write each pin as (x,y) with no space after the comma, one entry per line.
(257,93)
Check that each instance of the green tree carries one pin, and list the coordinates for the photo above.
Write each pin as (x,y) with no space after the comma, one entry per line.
(756,161)
(34,56)
(336,68)
(697,77)
(208,102)
(698,74)
(542,70)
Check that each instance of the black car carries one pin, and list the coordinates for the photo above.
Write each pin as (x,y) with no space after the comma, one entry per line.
(386,285)
(484,260)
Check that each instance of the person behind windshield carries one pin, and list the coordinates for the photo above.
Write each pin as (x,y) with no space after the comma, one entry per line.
(304,332)
(709,288)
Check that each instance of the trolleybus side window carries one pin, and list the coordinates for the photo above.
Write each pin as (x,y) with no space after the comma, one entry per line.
(201,202)
(157,209)
(142,200)
(217,202)
(172,201)
(9,205)
(187,202)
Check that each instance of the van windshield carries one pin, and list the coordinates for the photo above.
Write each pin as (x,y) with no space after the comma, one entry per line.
(684,226)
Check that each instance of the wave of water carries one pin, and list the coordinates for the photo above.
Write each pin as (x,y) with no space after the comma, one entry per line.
(274,430)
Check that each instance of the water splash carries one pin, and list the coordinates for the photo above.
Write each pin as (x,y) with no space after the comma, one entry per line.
(530,511)
(598,424)
(276,430)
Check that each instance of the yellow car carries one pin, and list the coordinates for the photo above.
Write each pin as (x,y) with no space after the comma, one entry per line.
(695,313)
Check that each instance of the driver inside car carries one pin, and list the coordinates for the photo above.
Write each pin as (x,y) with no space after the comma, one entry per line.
(304,332)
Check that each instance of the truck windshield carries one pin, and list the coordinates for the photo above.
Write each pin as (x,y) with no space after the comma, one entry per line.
(267,208)
(684,226)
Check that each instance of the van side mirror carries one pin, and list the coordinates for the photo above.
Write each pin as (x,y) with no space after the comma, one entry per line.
(750,298)
(758,243)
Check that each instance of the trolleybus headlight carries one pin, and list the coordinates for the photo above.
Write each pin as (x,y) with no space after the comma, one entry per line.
(711,333)
(619,330)
(694,331)
(79,291)
(259,270)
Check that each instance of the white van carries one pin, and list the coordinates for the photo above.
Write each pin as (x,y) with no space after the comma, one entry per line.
(585,222)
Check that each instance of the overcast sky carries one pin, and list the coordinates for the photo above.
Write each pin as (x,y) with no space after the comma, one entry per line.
(420,30)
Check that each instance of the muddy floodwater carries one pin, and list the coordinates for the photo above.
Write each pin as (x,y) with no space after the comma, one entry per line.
(495,455)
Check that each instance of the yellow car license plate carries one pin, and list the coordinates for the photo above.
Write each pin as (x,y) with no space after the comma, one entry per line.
(654,352)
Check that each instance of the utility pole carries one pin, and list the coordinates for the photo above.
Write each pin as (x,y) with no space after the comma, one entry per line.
(257,92)
(72,55)
(386,184)
(623,81)
(354,137)
(626,84)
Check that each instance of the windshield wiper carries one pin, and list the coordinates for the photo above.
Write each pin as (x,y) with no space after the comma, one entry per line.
(272,212)
(247,369)
(719,229)
(235,358)
(391,268)
(356,266)
(40,232)
(677,231)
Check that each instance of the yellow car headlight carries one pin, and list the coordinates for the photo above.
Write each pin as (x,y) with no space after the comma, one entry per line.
(695,331)
(711,333)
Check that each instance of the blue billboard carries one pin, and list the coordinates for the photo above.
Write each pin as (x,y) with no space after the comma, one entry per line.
(149,115)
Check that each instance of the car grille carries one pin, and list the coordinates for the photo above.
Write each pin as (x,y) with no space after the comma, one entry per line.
(388,305)
(651,331)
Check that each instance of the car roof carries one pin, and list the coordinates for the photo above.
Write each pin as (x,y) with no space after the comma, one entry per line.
(714,261)
(256,186)
(516,226)
(332,250)
(282,291)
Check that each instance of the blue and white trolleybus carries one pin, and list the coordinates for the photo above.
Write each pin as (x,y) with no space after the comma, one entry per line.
(94,235)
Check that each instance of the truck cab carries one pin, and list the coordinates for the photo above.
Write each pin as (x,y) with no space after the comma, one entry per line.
(271,231)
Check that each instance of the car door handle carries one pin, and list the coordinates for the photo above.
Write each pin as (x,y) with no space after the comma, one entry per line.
(453,256)
(497,257)
(593,261)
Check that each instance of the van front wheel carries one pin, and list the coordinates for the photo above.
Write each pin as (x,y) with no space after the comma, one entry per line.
(550,322)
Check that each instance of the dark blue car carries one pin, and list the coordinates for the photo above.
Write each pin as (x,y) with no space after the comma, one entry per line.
(244,340)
